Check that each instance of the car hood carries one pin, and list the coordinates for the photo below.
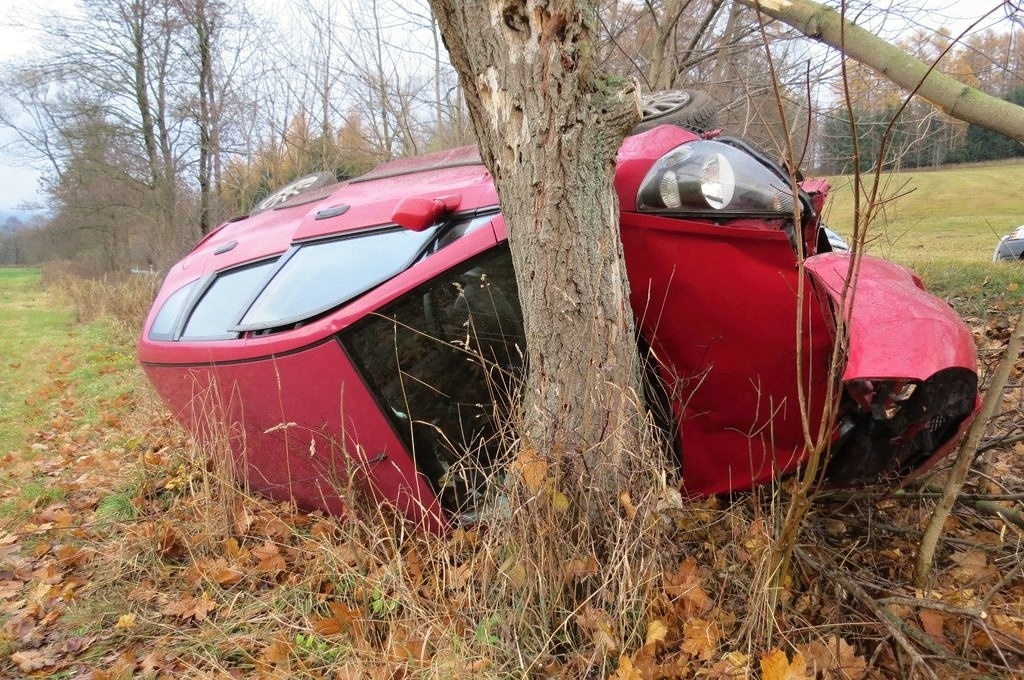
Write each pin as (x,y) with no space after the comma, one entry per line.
(893,327)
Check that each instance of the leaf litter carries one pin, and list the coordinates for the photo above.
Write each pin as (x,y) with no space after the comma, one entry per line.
(123,553)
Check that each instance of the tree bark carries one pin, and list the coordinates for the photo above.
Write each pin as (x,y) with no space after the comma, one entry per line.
(951,96)
(549,126)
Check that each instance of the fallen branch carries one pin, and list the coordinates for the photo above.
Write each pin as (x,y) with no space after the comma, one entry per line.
(934,605)
(989,504)
(999,442)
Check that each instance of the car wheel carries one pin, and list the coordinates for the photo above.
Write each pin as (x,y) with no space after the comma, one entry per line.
(292,189)
(690,109)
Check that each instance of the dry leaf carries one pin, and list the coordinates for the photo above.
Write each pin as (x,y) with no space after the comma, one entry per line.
(626,501)
(342,619)
(531,468)
(274,655)
(170,546)
(32,660)
(626,670)
(701,638)
(189,607)
(57,515)
(270,558)
(71,557)
(835,658)
(776,666)
(414,649)
(657,631)
(582,567)
(732,665)
(933,623)
(220,572)
(599,625)
(515,571)
(684,587)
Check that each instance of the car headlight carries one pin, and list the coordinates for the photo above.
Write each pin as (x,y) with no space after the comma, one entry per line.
(712,176)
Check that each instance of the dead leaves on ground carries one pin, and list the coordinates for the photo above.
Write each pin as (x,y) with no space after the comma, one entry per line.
(272,593)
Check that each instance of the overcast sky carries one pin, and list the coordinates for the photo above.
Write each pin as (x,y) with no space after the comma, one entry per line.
(19,182)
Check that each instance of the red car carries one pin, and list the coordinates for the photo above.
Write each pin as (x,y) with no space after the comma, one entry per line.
(363,332)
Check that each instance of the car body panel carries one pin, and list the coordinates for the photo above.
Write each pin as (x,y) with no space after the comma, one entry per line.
(894,328)
(735,394)
(297,426)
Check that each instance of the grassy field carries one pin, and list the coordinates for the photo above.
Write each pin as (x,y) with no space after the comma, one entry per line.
(944,224)
(44,352)
(35,327)
(951,215)
(125,554)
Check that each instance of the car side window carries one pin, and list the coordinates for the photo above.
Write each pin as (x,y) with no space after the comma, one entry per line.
(444,361)
(321,275)
(223,301)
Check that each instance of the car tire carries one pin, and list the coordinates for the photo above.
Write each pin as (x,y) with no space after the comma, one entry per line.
(691,109)
(289,191)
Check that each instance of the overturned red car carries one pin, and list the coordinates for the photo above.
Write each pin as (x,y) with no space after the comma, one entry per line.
(351,333)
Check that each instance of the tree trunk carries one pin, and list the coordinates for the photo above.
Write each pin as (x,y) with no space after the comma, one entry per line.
(549,127)
(951,96)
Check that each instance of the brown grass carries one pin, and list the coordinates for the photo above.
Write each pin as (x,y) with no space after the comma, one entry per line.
(140,556)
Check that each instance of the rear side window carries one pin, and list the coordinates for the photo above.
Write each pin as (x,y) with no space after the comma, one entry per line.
(166,322)
(444,361)
(223,301)
(321,275)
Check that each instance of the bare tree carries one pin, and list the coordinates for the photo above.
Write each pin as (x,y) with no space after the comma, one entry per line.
(153,76)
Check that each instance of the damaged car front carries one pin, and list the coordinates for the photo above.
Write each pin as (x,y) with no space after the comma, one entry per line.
(762,329)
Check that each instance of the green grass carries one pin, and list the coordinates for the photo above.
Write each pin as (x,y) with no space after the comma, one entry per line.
(944,224)
(52,368)
(954,214)
(36,329)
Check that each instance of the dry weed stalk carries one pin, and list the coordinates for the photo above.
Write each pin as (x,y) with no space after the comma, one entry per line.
(966,455)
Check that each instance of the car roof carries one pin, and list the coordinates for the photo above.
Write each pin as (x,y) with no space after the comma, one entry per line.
(368,201)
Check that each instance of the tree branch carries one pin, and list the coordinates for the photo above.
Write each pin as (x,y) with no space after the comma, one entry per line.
(828,26)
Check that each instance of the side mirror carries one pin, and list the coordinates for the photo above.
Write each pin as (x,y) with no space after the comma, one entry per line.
(416,213)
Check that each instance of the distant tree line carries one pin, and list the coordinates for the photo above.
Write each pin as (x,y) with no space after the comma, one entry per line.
(872,122)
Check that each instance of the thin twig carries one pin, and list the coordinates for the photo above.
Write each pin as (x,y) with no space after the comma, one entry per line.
(1001,441)
(1006,578)
(935,605)
(892,626)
